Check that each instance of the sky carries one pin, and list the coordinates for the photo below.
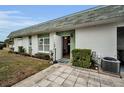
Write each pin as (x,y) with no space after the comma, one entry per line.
(16,17)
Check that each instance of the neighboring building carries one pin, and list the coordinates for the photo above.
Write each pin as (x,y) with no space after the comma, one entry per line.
(100,29)
(8,43)
(1,43)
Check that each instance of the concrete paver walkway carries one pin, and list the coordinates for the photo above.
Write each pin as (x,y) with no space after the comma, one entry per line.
(61,75)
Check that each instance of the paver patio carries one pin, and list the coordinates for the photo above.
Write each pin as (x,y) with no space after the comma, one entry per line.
(62,75)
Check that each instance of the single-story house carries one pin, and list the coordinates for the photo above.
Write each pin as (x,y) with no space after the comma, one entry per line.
(100,29)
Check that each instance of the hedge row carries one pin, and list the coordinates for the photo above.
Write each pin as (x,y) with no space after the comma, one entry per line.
(42,56)
(81,58)
(37,55)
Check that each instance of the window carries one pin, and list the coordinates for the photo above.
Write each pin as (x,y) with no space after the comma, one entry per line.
(41,44)
(44,44)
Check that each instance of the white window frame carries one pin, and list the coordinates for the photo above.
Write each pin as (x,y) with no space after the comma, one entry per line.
(43,44)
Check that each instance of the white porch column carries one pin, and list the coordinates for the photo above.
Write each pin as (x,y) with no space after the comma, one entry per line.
(25,43)
(34,44)
(15,45)
(52,40)
(57,40)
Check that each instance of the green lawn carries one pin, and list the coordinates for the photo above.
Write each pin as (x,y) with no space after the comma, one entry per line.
(14,68)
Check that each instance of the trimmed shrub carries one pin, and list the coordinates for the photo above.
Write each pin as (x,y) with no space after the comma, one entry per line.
(16,52)
(42,56)
(21,49)
(10,51)
(81,58)
(25,54)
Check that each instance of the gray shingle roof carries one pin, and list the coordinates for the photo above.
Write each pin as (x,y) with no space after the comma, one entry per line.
(71,21)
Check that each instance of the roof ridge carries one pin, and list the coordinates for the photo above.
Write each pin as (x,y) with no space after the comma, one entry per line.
(94,14)
(72,14)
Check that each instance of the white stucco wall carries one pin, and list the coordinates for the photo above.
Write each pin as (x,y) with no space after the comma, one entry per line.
(25,43)
(34,44)
(17,42)
(14,45)
(100,38)
(52,40)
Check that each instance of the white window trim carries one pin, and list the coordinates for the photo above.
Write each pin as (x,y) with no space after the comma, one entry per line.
(43,51)
(19,38)
(43,44)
